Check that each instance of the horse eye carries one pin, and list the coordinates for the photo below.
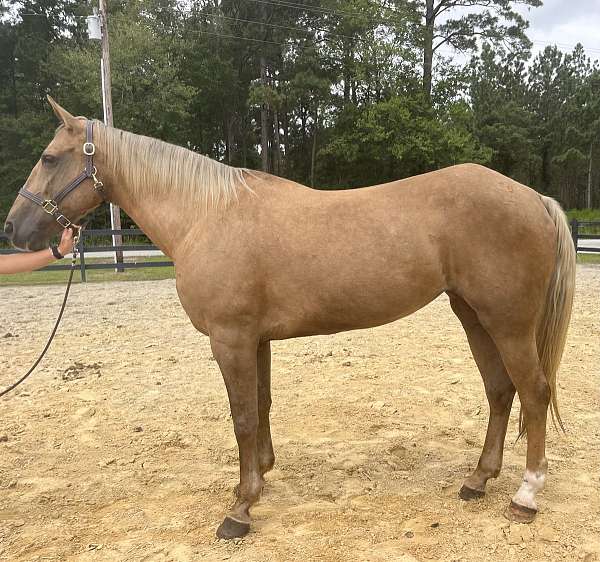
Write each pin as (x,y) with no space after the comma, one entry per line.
(48,159)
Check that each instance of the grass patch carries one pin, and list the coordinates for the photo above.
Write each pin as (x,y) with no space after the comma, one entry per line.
(586,215)
(93,275)
(588,258)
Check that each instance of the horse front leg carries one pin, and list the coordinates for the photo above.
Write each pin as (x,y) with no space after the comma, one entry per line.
(236,355)
(266,456)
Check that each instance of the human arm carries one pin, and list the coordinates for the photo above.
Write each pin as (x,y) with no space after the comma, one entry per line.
(30,261)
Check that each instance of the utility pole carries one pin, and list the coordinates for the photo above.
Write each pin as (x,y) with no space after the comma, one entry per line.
(115,211)
(589,183)
(264,118)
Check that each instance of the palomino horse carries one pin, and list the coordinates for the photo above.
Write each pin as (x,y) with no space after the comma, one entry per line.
(261,258)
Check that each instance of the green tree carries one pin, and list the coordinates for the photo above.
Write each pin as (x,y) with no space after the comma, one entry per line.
(503,120)
(460,23)
(562,96)
(328,93)
(404,136)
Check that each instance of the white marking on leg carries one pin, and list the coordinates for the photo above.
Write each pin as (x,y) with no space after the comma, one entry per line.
(532,483)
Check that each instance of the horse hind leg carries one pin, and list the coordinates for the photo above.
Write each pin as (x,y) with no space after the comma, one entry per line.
(266,456)
(500,392)
(519,353)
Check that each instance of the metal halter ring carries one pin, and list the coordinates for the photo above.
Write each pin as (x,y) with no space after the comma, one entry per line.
(98,185)
(87,150)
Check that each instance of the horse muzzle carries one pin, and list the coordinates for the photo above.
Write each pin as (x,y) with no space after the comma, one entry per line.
(23,237)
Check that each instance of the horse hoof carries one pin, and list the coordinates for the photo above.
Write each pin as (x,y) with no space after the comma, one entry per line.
(232,529)
(468,494)
(520,513)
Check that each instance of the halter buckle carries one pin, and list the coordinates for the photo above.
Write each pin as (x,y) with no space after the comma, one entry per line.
(63,221)
(89,148)
(49,206)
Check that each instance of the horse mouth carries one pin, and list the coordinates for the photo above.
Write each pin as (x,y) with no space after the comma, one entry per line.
(35,245)
(32,243)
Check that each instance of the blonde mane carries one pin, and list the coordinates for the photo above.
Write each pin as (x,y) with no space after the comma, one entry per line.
(153,167)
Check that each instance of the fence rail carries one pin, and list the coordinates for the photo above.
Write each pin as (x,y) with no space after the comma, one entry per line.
(84,251)
(577,226)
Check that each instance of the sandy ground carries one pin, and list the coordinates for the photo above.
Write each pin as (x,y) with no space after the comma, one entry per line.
(121,447)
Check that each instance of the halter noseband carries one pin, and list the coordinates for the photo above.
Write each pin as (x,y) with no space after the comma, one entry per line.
(50,206)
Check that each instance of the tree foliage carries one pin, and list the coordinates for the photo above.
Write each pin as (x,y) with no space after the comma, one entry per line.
(328,93)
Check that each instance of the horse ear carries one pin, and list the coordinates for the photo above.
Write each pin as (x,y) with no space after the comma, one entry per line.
(63,115)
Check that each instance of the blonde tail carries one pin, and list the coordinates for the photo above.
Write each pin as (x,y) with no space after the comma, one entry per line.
(554,322)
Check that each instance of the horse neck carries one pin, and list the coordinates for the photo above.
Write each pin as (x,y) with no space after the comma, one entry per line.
(164,221)
(165,217)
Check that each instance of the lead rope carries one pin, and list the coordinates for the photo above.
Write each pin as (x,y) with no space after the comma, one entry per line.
(60,315)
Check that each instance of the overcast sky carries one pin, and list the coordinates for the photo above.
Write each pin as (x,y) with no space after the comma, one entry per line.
(565,23)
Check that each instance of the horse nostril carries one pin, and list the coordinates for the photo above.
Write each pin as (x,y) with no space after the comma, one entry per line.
(8,228)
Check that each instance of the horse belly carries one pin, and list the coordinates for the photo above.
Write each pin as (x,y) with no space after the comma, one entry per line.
(353,295)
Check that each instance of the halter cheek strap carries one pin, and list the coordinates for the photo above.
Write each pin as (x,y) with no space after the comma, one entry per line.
(50,206)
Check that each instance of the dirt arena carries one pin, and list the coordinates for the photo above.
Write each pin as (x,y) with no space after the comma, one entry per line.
(121,447)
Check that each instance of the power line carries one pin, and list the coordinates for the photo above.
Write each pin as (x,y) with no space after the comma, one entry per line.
(329,33)
(322,11)
(288,4)
(46,15)
(566,45)
(293,5)
(253,40)
(274,25)
(240,37)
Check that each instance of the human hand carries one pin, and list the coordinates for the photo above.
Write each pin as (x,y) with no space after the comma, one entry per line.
(66,242)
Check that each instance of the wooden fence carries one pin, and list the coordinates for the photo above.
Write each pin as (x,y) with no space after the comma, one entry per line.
(92,245)
(577,235)
(88,243)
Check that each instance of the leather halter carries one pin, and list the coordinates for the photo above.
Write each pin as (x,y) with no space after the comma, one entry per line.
(50,206)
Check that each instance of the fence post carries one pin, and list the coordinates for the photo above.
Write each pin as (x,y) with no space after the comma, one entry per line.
(575,233)
(82,256)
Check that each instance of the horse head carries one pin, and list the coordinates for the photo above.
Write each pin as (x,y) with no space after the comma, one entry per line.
(35,217)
